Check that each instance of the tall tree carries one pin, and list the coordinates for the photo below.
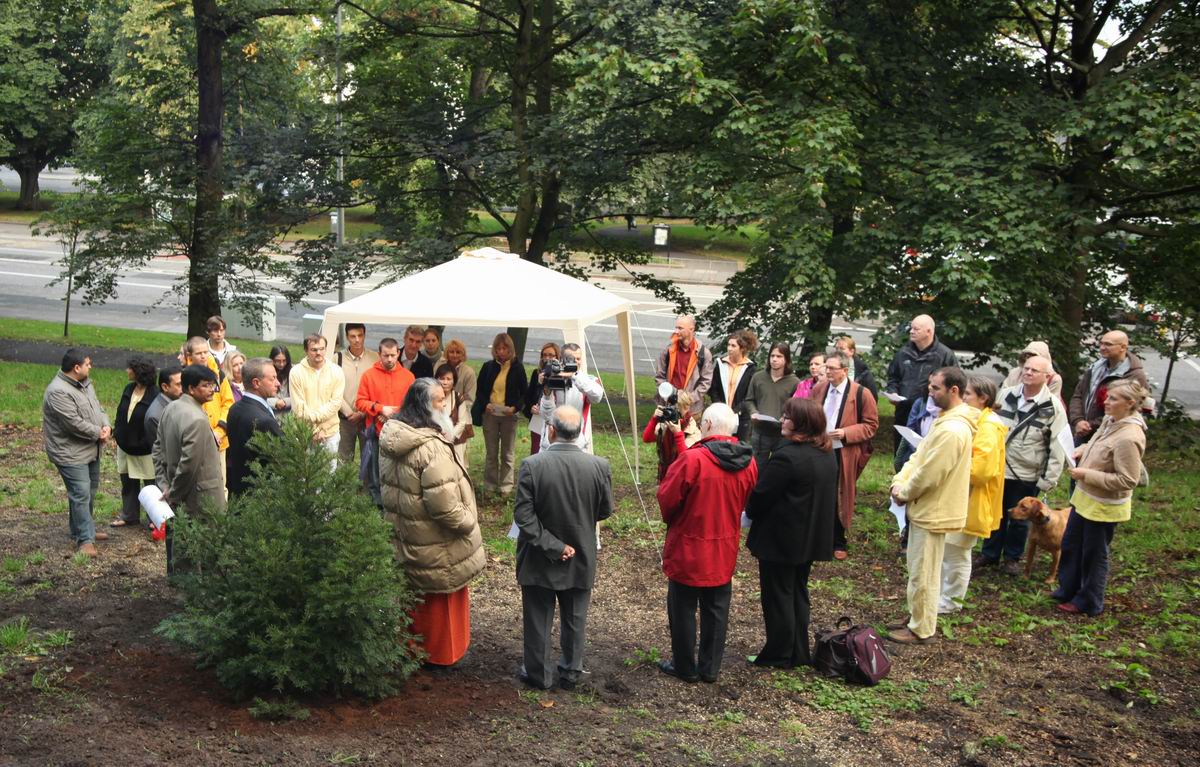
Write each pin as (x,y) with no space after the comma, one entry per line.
(207,144)
(48,73)
(524,118)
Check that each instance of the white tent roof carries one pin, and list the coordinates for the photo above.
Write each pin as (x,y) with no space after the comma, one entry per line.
(487,288)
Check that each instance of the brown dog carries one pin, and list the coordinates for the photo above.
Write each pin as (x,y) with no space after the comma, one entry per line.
(1046,530)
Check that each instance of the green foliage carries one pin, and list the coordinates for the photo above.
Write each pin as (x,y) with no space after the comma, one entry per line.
(862,704)
(296,589)
(278,711)
(14,635)
(48,73)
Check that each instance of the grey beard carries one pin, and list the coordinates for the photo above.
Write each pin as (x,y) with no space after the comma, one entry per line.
(442,419)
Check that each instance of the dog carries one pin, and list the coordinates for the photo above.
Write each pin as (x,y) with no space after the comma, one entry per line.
(1046,530)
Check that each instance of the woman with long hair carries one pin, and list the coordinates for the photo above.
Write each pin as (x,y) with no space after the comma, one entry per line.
(456,410)
(499,394)
(792,511)
(769,390)
(281,358)
(134,464)
(1109,466)
(464,374)
(234,361)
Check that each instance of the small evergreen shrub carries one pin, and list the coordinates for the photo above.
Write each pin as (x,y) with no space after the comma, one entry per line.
(296,588)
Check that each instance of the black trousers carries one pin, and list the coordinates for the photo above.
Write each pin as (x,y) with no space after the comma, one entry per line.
(131,509)
(785,605)
(713,604)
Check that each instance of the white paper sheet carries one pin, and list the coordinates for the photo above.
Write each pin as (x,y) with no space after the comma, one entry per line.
(837,444)
(763,417)
(746,521)
(151,500)
(1068,445)
(514,531)
(900,512)
(910,436)
(893,397)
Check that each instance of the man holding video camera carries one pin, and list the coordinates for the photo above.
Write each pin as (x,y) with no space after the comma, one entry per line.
(563,383)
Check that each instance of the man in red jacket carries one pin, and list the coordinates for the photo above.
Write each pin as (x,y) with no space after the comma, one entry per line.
(381,392)
(701,499)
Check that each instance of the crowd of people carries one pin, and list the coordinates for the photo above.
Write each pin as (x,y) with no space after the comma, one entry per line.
(772,452)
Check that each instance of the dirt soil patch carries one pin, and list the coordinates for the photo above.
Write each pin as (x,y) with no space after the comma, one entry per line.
(116,693)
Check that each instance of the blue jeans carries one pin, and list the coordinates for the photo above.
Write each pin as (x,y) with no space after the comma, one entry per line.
(1009,540)
(82,480)
(1083,571)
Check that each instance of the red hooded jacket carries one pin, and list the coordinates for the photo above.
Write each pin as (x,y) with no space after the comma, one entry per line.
(701,499)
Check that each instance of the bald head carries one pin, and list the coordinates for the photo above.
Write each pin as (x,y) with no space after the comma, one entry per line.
(1114,345)
(565,424)
(1035,371)
(685,328)
(920,330)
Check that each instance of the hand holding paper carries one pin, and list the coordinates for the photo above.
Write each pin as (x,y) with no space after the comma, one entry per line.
(893,397)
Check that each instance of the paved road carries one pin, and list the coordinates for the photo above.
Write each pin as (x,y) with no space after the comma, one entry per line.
(61,180)
(145,301)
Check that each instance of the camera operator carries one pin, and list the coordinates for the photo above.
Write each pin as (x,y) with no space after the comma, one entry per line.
(672,427)
(564,384)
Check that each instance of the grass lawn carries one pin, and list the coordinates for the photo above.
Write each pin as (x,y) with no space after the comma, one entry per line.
(98,336)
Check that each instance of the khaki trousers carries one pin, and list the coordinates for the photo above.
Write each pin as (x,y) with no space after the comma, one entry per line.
(500,443)
(924,579)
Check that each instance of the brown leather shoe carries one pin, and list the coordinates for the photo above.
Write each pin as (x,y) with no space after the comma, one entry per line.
(840,555)
(905,636)
(101,536)
(89,549)
(899,624)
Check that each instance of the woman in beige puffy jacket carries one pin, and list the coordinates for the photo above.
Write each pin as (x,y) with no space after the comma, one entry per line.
(428,496)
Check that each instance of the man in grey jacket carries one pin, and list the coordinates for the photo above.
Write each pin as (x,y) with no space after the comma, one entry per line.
(562,492)
(170,388)
(187,464)
(1033,456)
(75,428)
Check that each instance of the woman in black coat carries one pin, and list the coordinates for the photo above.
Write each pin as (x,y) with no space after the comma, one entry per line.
(134,464)
(499,396)
(792,510)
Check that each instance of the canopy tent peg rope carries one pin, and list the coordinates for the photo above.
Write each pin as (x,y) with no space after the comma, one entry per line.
(637,485)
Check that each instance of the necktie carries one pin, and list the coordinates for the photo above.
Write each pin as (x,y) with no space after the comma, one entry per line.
(831,408)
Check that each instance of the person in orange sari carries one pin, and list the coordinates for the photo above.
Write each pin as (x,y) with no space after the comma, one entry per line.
(428,497)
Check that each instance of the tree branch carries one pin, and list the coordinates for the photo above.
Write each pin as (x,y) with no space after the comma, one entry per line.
(1120,52)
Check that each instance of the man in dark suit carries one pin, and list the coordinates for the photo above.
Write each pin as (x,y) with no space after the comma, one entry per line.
(249,416)
(187,464)
(410,356)
(562,492)
(170,388)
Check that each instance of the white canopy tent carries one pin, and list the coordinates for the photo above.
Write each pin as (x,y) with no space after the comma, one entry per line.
(490,288)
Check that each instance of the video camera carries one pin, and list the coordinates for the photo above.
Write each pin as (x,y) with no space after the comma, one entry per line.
(556,372)
(670,397)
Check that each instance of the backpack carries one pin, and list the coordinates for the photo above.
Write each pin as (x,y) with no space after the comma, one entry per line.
(855,653)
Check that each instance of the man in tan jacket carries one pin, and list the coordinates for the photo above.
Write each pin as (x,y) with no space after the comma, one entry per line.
(354,361)
(936,484)
(317,388)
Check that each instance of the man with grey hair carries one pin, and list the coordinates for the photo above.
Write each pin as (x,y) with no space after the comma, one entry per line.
(701,499)
(562,493)
(908,375)
(1116,363)
(685,363)
(249,416)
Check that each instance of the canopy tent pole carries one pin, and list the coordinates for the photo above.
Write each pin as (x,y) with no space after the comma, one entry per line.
(626,337)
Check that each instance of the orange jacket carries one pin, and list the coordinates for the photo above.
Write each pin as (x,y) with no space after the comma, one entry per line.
(379,388)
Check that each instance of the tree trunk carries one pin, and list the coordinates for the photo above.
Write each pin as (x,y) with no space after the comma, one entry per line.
(204,252)
(527,196)
(1166,387)
(28,171)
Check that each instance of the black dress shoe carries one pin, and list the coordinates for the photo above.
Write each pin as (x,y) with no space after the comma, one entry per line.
(668,668)
(708,679)
(527,680)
